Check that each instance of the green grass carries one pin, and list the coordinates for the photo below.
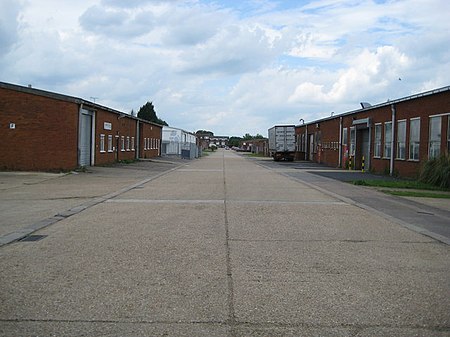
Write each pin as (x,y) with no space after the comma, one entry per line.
(417,194)
(253,154)
(406,184)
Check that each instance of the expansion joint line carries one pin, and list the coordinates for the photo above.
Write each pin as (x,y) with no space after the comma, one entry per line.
(231,313)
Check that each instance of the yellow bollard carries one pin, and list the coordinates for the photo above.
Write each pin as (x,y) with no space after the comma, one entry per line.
(350,163)
(362,164)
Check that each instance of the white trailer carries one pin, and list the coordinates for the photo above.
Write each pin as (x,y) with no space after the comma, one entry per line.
(282,142)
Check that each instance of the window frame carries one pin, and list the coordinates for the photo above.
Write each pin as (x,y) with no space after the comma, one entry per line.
(414,145)
(378,140)
(434,152)
(401,139)
(122,144)
(102,143)
(110,143)
(387,146)
(352,149)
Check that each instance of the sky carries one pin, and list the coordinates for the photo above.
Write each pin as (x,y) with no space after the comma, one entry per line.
(230,67)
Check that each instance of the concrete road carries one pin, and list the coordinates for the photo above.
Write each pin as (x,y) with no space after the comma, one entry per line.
(225,247)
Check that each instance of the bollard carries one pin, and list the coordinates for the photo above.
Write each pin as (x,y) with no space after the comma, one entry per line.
(362,165)
(350,163)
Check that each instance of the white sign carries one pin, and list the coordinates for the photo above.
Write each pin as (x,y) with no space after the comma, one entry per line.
(107,126)
(12,125)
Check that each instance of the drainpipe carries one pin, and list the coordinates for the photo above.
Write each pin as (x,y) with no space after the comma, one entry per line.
(79,133)
(340,142)
(391,168)
(306,142)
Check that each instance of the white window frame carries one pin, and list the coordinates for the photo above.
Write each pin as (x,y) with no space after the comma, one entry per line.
(387,148)
(448,135)
(434,144)
(128,143)
(401,140)
(102,143)
(414,144)
(132,144)
(378,140)
(122,143)
(352,151)
(110,143)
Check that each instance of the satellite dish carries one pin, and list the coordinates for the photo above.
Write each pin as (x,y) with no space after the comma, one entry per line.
(365,105)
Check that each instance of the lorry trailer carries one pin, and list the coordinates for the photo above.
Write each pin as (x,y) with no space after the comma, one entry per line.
(282,142)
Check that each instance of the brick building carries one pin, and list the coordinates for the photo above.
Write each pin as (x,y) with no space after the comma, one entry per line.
(395,137)
(47,131)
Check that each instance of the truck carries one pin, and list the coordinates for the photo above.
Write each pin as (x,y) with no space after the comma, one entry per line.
(282,142)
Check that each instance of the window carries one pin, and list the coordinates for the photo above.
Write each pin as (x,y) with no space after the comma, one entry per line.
(387,140)
(401,139)
(352,141)
(122,143)
(145,143)
(132,143)
(110,143)
(102,143)
(128,143)
(377,145)
(344,137)
(435,137)
(448,135)
(414,138)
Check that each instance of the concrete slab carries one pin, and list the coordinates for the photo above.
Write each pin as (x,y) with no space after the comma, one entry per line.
(121,262)
(332,283)
(29,200)
(224,247)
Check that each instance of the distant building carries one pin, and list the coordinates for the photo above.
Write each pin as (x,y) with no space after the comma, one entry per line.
(220,141)
(179,142)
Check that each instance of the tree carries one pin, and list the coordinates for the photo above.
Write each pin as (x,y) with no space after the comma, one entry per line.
(234,141)
(147,112)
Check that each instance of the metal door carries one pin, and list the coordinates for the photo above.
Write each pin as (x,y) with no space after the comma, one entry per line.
(85,143)
(311,147)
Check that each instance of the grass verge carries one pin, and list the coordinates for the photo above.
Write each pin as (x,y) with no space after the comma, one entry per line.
(417,194)
(406,184)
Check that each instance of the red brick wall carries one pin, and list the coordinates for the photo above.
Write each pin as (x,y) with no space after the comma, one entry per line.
(422,107)
(328,144)
(150,140)
(125,127)
(45,135)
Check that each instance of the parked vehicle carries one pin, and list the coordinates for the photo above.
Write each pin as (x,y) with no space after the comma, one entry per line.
(282,142)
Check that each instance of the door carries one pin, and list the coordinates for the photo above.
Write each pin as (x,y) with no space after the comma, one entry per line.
(365,147)
(311,147)
(85,141)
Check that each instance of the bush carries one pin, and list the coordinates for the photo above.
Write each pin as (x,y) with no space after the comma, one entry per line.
(437,172)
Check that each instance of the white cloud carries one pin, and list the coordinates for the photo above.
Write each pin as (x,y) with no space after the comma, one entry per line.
(9,24)
(233,67)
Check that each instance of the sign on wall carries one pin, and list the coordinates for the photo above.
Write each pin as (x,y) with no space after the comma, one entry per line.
(107,126)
